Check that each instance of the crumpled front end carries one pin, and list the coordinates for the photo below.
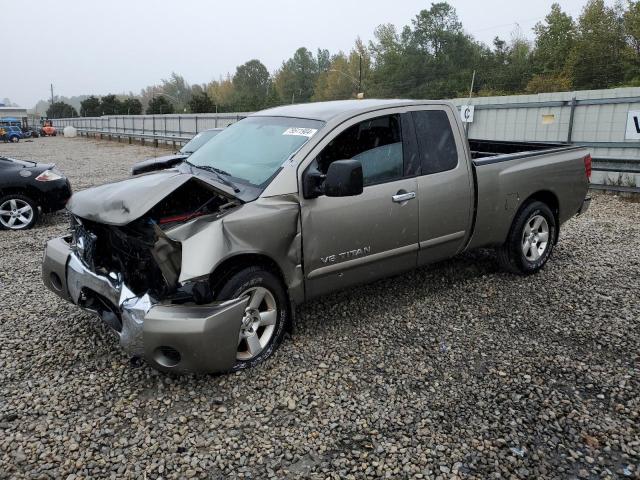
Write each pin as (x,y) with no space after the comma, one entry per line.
(120,264)
(178,337)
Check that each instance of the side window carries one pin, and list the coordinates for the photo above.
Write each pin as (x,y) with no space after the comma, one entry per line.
(377,143)
(436,141)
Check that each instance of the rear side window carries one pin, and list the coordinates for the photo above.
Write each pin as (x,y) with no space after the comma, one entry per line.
(377,143)
(436,141)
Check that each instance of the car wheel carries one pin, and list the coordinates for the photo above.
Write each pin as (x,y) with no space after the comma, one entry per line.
(530,241)
(264,320)
(15,139)
(17,212)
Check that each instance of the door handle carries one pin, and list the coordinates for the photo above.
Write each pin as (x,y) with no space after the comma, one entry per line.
(404,197)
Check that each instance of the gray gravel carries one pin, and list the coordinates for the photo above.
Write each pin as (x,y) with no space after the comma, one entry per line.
(452,371)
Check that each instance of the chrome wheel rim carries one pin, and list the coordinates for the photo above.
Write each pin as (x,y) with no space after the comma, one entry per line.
(15,214)
(535,238)
(258,323)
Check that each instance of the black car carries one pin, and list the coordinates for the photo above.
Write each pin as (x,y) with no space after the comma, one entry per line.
(180,156)
(28,188)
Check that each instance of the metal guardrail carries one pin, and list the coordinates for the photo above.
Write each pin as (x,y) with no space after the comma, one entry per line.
(614,188)
(156,138)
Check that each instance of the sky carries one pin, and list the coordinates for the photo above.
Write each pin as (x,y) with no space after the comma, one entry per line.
(122,46)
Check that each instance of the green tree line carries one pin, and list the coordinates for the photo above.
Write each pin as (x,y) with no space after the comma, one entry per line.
(431,57)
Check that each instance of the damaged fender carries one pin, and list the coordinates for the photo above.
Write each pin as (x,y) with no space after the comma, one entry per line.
(267,226)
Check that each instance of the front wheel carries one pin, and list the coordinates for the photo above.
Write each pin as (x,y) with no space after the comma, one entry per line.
(17,212)
(530,241)
(264,319)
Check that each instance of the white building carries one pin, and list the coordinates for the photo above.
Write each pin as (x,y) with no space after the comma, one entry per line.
(16,112)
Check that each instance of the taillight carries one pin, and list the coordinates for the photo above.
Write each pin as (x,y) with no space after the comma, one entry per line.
(587,166)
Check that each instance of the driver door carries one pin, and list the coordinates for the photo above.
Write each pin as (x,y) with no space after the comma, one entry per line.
(357,239)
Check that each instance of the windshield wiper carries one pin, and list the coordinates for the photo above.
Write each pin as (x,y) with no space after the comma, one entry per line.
(219,175)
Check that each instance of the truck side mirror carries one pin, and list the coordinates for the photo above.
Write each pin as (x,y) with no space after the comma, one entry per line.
(344,179)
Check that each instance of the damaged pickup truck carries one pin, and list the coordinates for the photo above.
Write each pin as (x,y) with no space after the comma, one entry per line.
(199,267)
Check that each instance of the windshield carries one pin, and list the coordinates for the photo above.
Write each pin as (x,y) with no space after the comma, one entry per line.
(199,140)
(253,150)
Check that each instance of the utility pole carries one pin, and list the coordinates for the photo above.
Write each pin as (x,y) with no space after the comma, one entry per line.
(473,81)
(52,98)
(360,78)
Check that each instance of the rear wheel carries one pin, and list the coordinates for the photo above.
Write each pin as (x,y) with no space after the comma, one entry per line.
(15,139)
(264,319)
(530,241)
(17,212)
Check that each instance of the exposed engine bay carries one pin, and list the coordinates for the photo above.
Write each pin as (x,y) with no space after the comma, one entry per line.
(140,251)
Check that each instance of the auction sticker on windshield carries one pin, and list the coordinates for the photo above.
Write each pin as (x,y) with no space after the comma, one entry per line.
(301,132)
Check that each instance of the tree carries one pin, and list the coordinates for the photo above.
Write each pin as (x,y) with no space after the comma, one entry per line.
(131,106)
(110,105)
(159,105)
(555,38)
(177,87)
(201,103)
(251,83)
(332,85)
(543,83)
(61,110)
(342,79)
(432,58)
(631,22)
(222,94)
(90,107)
(597,57)
(296,78)
(435,29)
(323,59)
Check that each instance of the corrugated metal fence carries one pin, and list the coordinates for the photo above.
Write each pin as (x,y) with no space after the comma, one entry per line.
(162,128)
(593,118)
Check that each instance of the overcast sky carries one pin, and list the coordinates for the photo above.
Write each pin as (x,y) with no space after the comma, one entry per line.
(118,46)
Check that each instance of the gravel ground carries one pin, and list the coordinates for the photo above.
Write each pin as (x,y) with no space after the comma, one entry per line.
(453,371)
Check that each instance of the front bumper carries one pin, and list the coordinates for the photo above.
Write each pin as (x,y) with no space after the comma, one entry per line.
(177,338)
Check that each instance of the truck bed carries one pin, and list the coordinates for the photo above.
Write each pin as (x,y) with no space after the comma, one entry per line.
(509,173)
(484,152)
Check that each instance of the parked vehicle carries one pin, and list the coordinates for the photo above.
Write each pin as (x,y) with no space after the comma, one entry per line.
(30,132)
(180,156)
(10,122)
(27,189)
(11,134)
(48,130)
(200,267)
(22,124)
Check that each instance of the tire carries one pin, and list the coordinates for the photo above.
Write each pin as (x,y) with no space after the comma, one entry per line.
(15,139)
(255,281)
(530,241)
(10,205)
